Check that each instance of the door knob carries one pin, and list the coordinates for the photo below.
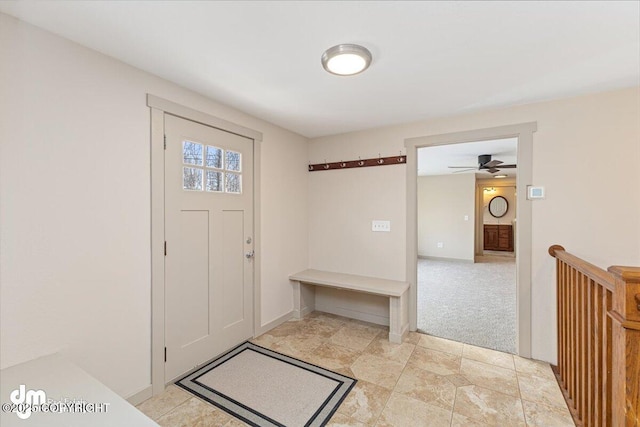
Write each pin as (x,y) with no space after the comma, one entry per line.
(250,254)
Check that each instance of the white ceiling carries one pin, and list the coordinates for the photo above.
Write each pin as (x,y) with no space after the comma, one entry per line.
(430,59)
(436,160)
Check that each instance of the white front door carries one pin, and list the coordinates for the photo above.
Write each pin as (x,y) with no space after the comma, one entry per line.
(209,243)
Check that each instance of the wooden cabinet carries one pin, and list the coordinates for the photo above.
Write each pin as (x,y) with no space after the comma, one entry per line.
(498,237)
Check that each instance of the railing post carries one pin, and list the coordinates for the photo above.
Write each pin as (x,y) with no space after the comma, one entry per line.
(625,319)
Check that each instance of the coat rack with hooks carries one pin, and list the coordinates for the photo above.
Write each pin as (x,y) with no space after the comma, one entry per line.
(360,163)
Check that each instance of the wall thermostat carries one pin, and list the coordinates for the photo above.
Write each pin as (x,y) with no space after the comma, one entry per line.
(535,192)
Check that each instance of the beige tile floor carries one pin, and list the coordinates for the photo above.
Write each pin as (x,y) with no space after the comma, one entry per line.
(425,381)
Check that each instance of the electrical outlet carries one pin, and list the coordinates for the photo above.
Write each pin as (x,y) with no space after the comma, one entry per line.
(440,245)
(377,225)
(466,217)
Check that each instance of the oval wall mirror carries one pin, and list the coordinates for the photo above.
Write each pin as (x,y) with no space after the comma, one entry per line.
(498,207)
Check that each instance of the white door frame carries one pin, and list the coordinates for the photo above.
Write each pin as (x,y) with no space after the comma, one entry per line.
(524,133)
(158,108)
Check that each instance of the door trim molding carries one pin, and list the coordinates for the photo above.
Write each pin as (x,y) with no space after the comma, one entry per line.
(524,133)
(159,107)
(200,117)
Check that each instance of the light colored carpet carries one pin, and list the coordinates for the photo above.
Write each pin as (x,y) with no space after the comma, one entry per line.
(266,388)
(470,303)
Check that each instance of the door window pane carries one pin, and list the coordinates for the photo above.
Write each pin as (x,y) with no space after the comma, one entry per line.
(214,181)
(192,179)
(214,157)
(211,168)
(233,161)
(192,153)
(233,183)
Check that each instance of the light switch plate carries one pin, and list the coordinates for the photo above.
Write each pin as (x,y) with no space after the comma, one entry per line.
(377,225)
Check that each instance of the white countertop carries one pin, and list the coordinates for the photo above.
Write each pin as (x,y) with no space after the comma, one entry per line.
(60,380)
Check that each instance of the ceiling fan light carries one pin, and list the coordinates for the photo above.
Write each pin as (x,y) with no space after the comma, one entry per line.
(346,59)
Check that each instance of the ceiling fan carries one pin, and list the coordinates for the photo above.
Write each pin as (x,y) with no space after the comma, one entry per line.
(485,163)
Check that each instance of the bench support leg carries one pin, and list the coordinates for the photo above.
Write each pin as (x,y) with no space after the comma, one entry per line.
(304,298)
(398,318)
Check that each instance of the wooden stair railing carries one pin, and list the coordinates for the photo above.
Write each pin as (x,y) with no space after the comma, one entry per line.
(598,340)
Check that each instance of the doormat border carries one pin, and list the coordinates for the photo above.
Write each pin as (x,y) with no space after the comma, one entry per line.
(251,416)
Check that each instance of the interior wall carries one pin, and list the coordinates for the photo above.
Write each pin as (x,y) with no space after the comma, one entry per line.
(593,215)
(446,214)
(509,193)
(75,211)
(342,205)
(481,210)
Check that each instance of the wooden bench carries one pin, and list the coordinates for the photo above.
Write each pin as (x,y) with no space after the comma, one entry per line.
(396,291)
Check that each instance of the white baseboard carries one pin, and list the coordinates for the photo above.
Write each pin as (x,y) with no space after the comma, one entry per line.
(399,338)
(299,314)
(141,396)
(277,322)
(358,315)
(441,258)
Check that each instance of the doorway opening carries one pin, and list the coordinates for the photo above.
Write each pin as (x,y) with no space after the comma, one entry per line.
(466,265)
(523,132)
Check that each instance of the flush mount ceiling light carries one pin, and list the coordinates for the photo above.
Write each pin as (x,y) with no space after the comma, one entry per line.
(500,176)
(346,59)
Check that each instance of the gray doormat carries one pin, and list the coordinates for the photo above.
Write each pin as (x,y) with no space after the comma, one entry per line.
(265,388)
